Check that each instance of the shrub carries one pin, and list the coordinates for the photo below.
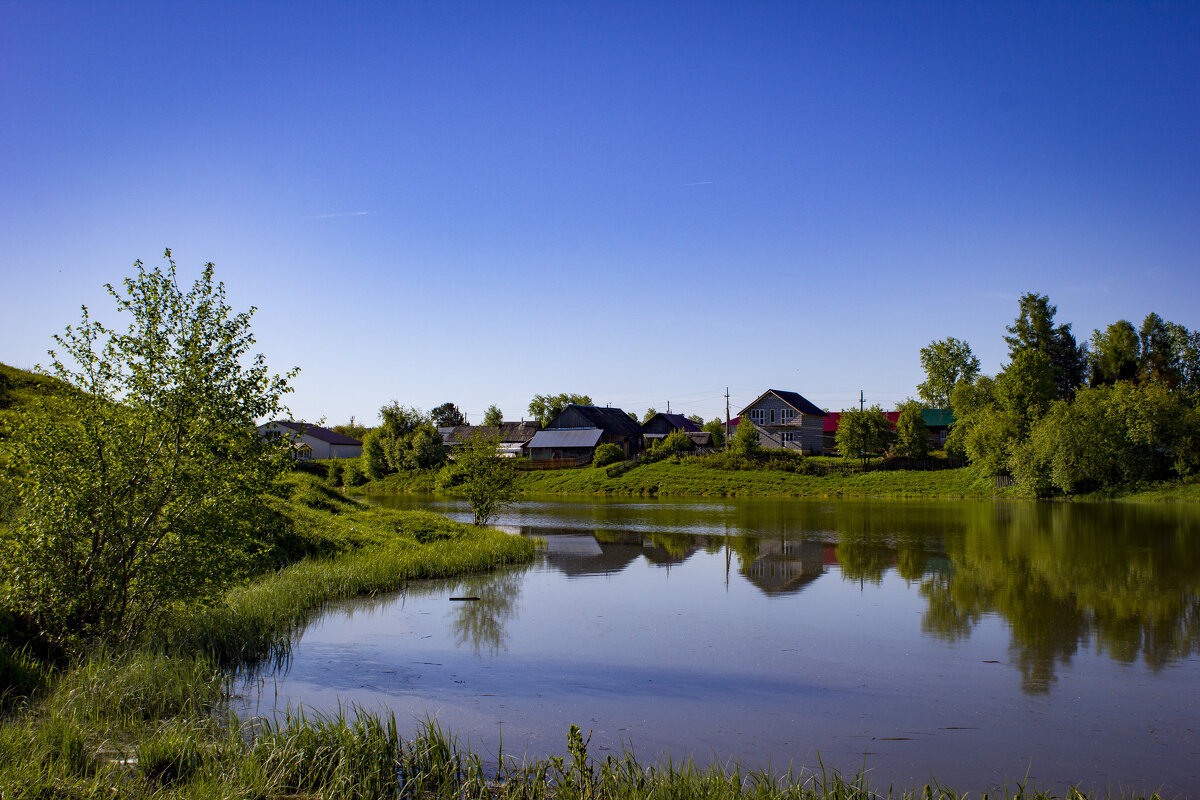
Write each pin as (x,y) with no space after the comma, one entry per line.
(606,454)
(333,471)
(354,473)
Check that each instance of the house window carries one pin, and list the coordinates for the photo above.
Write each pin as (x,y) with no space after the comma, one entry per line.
(786,415)
(772,416)
(757,415)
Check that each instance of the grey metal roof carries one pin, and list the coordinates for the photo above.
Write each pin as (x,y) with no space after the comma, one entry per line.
(566,437)
(316,432)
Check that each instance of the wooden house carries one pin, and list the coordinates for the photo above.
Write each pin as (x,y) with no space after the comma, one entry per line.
(615,426)
(514,436)
(786,421)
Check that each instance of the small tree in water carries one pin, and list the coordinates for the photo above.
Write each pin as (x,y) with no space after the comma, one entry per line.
(139,491)
(488,481)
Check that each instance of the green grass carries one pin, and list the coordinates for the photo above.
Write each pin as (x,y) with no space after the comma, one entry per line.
(668,478)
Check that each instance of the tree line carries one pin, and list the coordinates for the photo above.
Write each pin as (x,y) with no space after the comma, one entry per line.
(1065,416)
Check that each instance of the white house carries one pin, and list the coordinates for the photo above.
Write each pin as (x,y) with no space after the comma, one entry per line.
(312,441)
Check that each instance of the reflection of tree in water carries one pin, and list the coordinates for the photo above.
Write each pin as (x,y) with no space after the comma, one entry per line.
(1062,575)
(481,622)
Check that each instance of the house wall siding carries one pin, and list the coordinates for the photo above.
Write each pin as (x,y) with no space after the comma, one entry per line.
(807,429)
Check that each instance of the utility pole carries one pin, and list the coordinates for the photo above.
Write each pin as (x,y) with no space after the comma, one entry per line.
(860,400)
(727,416)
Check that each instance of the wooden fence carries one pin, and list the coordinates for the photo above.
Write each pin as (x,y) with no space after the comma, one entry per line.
(553,463)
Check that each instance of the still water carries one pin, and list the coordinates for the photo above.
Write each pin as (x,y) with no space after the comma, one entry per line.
(972,643)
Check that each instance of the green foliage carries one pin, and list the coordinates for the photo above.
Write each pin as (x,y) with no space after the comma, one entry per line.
(650,412)
(375,462)
(946,362)
(1109,435)
(493,418)
(141,490)
(353,472)
(447,415)
(862,434)
(407,440)
(1034,331)
(351,429)
(673,443)
(1115,354)
(744,442)
(607,453)
(717,429)
(487,480)
(912,434)
(544,408)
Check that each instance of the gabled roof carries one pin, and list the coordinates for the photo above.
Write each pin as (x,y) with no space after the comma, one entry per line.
(315,431)
(678,421)
(609,420)
(793,399)
(566,437)
(506,431)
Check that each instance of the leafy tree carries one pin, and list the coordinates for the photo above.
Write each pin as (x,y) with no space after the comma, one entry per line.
(744,441)
(1025,388)
(717,429)
(912,434)
(969,400)
(493,417)
(945,362)
(5,390)
(407,440)
(650,412)
(607,453)
(1109,435)
(139,492)
(544,408)
(1034,331)
(1158,361)
(447,415)
(696,418)
(861,434)
(1115,354)
(352,429)
(375,462)
(486,480)
(634,417)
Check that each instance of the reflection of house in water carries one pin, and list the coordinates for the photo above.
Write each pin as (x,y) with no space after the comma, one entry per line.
(581,554)
(786,565)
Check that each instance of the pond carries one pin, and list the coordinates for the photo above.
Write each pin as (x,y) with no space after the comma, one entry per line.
(976,644)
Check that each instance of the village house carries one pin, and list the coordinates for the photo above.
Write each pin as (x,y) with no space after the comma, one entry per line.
(937,420)
(786,421)
(514,437)
(662,425)
(312,441)
(576,431)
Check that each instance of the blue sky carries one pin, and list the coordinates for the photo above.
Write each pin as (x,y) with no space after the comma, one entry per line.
(644,202)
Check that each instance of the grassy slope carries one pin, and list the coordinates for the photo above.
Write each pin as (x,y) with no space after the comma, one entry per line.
(665,478)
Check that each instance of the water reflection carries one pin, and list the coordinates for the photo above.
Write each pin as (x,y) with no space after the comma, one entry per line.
(1064,578)
(1061,575)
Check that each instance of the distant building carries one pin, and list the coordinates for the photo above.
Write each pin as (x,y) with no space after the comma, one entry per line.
(514,436)
(615,426)
(312,441)
(937,420)
(786,421)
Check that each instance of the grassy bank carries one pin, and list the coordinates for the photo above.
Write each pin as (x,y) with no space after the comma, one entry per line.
(152,722)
